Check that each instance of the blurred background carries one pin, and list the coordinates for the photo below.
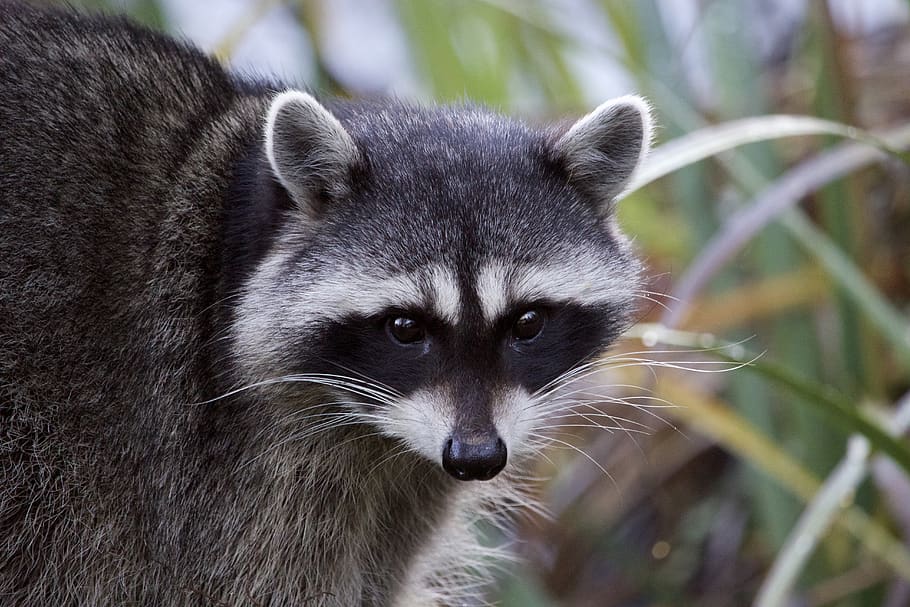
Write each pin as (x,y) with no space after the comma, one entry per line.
(784,482)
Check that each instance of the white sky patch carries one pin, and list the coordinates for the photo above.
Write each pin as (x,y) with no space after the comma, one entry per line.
(273,44)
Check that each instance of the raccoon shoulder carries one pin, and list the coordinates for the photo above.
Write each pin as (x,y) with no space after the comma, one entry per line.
(116,137)
(82,91)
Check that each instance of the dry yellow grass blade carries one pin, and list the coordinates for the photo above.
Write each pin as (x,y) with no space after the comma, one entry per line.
(756,301)
(714,419)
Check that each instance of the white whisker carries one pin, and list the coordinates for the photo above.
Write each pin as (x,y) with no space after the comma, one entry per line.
(581,452)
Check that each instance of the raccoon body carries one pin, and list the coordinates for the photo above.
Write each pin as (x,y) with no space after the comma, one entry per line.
(252,344)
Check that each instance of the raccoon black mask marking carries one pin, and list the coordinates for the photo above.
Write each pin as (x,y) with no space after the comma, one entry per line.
(251,342)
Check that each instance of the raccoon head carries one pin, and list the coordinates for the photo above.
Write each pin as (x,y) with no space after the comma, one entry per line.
(437,269)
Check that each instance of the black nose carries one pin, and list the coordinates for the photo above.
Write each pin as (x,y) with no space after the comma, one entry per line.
(474,458)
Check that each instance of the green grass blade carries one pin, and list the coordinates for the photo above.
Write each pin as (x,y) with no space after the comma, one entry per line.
(834,408)
(774,201)
(828,502)
(814,522)
(719,422)
(712,140)
(829,403)
(892,325)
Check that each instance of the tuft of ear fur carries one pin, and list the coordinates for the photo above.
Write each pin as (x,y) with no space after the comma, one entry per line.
(308,150)
(603,149)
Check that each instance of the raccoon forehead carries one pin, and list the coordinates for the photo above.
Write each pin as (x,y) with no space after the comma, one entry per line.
(585,279)
(434,290)
(305,299)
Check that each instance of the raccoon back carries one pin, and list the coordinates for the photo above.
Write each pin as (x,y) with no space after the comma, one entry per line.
(117,147)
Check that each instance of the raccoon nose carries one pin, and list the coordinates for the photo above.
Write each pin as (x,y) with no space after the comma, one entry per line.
(474,458)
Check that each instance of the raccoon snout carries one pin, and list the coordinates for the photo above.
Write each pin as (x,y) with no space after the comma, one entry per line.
(474,458)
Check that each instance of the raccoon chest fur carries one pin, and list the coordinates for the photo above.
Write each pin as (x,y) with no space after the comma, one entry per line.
(262,349)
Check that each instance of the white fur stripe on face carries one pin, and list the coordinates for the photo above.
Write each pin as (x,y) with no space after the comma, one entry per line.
(275,303)
(514,417)
(434,290)
(585,280)
(424,420)
(446,296)
(342,293)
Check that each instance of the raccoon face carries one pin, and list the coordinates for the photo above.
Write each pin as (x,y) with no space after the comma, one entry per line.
(437,270)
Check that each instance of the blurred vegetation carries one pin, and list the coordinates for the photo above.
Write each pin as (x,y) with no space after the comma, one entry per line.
(742,490)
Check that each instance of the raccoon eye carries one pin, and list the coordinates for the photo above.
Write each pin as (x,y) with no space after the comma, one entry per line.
(528,325)
(405,330)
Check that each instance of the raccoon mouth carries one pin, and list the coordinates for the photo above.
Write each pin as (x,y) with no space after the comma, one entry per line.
(474,458)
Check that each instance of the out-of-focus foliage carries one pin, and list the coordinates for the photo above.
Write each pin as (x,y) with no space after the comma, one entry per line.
(722,488)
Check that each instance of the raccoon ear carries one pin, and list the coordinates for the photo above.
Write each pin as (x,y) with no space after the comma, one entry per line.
(602,150)
(308,151)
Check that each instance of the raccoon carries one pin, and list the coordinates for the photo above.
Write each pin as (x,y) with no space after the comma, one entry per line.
(262,349)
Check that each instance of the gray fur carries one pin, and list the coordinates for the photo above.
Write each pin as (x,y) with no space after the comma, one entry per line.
(171,276)
(605,147)
(308,149)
